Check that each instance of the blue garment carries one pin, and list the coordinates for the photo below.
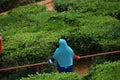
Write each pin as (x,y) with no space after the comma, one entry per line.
(62,69)
(64,54)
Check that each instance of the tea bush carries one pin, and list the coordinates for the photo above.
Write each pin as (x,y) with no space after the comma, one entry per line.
(24,50)
(105,34)
(24,19)
(105,29)
(6,5)
(64,5)
(106,71)
(70,18)
(54,76)
(97,34)
(28,9)
(19,47)
(101,31)
(96,7)
(91,34)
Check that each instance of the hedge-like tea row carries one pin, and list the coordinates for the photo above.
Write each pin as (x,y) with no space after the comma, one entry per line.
(54,76)
(96,7)
(106,71)
(91,34)
(6,5)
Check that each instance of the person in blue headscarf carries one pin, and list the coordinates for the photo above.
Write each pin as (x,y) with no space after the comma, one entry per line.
(64,56)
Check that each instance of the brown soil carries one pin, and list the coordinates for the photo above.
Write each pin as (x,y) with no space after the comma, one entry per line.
(4,13)
(83,67)
(48,3)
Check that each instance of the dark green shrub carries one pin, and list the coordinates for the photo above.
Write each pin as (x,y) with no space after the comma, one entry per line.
(24,42)
(106,71)
(83,44)
(26,49)
(69,18)
(112,0)
(105,58)
(22,11)
(24,19)
(64,5)
(100,7)
(26,46)
(93,34)
(96,7)
(10,4)
(99,31)
(54,76)
(104,29)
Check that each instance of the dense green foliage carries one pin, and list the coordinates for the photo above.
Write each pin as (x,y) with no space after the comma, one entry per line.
(64,5)
(98,25)
(31,34)
(10,4)
(96,7)
(106,71)
(54,76)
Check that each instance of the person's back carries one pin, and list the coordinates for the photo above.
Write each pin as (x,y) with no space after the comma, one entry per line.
(64,54)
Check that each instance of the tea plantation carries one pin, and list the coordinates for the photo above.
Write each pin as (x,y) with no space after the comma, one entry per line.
(106,71)
(31,34)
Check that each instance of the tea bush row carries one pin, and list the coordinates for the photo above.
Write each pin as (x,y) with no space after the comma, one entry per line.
(6,5)
(54,76)
(98,7)
(106,71)
(101,30)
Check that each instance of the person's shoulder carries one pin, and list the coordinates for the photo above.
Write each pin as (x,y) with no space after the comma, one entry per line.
(57,49)
(70,48)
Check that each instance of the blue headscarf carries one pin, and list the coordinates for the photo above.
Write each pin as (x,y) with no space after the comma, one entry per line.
(64,54)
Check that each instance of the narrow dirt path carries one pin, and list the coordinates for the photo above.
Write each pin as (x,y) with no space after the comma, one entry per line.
(48,3)
(83,67)
(4,13)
